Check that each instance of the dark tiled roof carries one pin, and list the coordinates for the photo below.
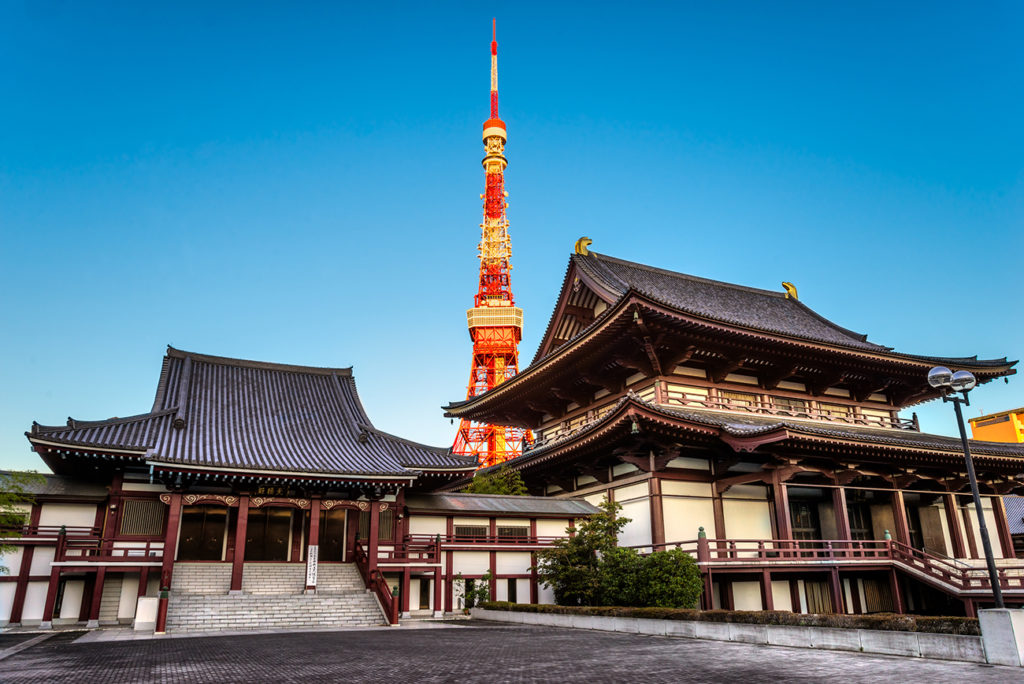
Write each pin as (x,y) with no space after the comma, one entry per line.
(60,486)
(1015,513)
(246,415)
(496,503)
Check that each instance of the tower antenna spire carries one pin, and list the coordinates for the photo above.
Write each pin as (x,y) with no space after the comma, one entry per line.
(495,322)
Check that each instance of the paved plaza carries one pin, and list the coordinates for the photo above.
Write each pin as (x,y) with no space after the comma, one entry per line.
(470,652)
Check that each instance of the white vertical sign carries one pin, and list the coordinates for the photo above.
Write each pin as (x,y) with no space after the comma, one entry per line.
(312,555)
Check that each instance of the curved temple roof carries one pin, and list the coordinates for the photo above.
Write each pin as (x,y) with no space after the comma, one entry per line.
(221,413)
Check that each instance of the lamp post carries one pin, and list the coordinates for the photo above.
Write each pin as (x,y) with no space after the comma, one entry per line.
(949,383)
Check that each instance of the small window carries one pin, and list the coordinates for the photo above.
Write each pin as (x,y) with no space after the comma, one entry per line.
(791,407)
(471,531)
(739,398)
(513,532)
(142,518)
(385,527)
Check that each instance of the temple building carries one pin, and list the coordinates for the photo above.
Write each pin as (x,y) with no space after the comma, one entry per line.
(744,427)
(260,495)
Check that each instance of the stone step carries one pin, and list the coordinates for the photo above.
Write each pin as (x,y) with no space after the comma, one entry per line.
(197,613)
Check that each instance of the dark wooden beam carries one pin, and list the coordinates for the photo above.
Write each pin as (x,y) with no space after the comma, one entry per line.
(584,315)
(771,378)
(717,372)
(818,385)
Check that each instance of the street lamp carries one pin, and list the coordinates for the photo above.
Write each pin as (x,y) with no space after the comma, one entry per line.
(949,383)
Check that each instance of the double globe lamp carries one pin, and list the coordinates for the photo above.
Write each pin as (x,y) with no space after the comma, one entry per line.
(949,384)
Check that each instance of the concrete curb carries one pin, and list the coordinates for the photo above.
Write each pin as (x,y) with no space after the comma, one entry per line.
(910,644)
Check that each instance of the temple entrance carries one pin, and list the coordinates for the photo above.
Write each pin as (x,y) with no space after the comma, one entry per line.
(332,535)
(268,534)
(203,531)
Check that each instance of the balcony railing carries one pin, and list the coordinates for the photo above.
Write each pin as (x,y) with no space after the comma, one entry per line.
(107,550)
(945,573)
(805,412)
(36,532)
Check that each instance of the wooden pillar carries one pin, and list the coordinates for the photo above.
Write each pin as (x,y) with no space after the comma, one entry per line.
(837,591)
(241,530)
(143,581)
(897,595)
(534,589)
(492,588)
(899,516)
(298,530)
(657,513)
(956,530)
(97,597)
(372,542)
(972,543)
(725,593)
(970,610)
(767,600)
(706,599)
(1003,527)
(719,512)
(438,610)
(780,498)
(170,540)
(51,598)
(313,544)
(24,570)
(794,595)
(842,517)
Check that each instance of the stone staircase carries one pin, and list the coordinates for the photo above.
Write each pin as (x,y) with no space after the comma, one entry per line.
(271,598)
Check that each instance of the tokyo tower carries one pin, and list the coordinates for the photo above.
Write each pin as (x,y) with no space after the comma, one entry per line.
(495,322)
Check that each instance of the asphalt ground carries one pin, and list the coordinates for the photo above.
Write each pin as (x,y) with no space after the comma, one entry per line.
(471,652)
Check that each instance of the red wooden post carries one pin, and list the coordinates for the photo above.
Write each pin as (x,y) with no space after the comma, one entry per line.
(972,543)
(719,513)
(143,581)
(969,608)
(51,598)
(899,515)
(406,581)
(767,600)
(438,611)
(781,499)
(657,513)
(1003,527)
(314,539)
(492,584)
(842,517)
(97,598)
(956,530)
(794,595)
(170,550)
(534,589)
(449,565)
(894,587)
(371,543)
(241,529)
(24,571)
(837,591)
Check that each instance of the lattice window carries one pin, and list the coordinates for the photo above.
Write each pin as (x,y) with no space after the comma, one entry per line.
(142,518)
(385,525)
(739,398)
(471,530)
(836,410)
(792,407)
(514,532)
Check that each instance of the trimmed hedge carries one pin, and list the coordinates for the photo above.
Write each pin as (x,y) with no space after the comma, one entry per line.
(881,621)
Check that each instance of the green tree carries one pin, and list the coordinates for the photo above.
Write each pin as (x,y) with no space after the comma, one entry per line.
(475,592)
(572,567)
(503,481)
(667,579)
(16,491)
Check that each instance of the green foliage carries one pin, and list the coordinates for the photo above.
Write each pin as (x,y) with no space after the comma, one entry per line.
(15,493)
(572,566)
(479,593)
(503,481)
(589,569)
(879,621)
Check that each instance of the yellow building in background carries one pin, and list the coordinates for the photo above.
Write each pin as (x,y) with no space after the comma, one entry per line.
(1005,426)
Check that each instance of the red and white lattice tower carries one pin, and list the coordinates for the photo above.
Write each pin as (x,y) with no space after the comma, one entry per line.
(495,322)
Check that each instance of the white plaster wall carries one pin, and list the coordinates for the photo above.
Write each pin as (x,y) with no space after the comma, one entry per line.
(12,560)
(635,491)
(513,562)
(427,524)
(623,468)
(552,527)
(690,463)
(473,521)
(71,604)
(638,530)
(544,594)
(802,591)
(129,596)
(35,597)
(781,598)
(747,519)
(682,488)
(596,499)
(6,601)
(414,594)
(41,560)
(993,528)
(522,591)
(848,595)
(747,595)
(683,517)
(513,522)
(501,591)
(471,562)
(77,515)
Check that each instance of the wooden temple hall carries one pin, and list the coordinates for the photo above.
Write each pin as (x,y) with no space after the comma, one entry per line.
(740,425)
(260,495)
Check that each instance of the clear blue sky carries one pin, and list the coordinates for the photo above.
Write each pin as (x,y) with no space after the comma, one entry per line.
(299,182)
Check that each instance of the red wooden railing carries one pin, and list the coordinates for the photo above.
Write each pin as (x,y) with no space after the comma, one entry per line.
(48,531)
(105,551)
(375,582)
(951,575)
(446,540)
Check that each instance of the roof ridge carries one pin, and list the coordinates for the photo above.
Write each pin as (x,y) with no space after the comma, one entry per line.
(73,424)
(262,365)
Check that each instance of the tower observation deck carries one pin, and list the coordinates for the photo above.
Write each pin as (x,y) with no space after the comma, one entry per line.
(495,322)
